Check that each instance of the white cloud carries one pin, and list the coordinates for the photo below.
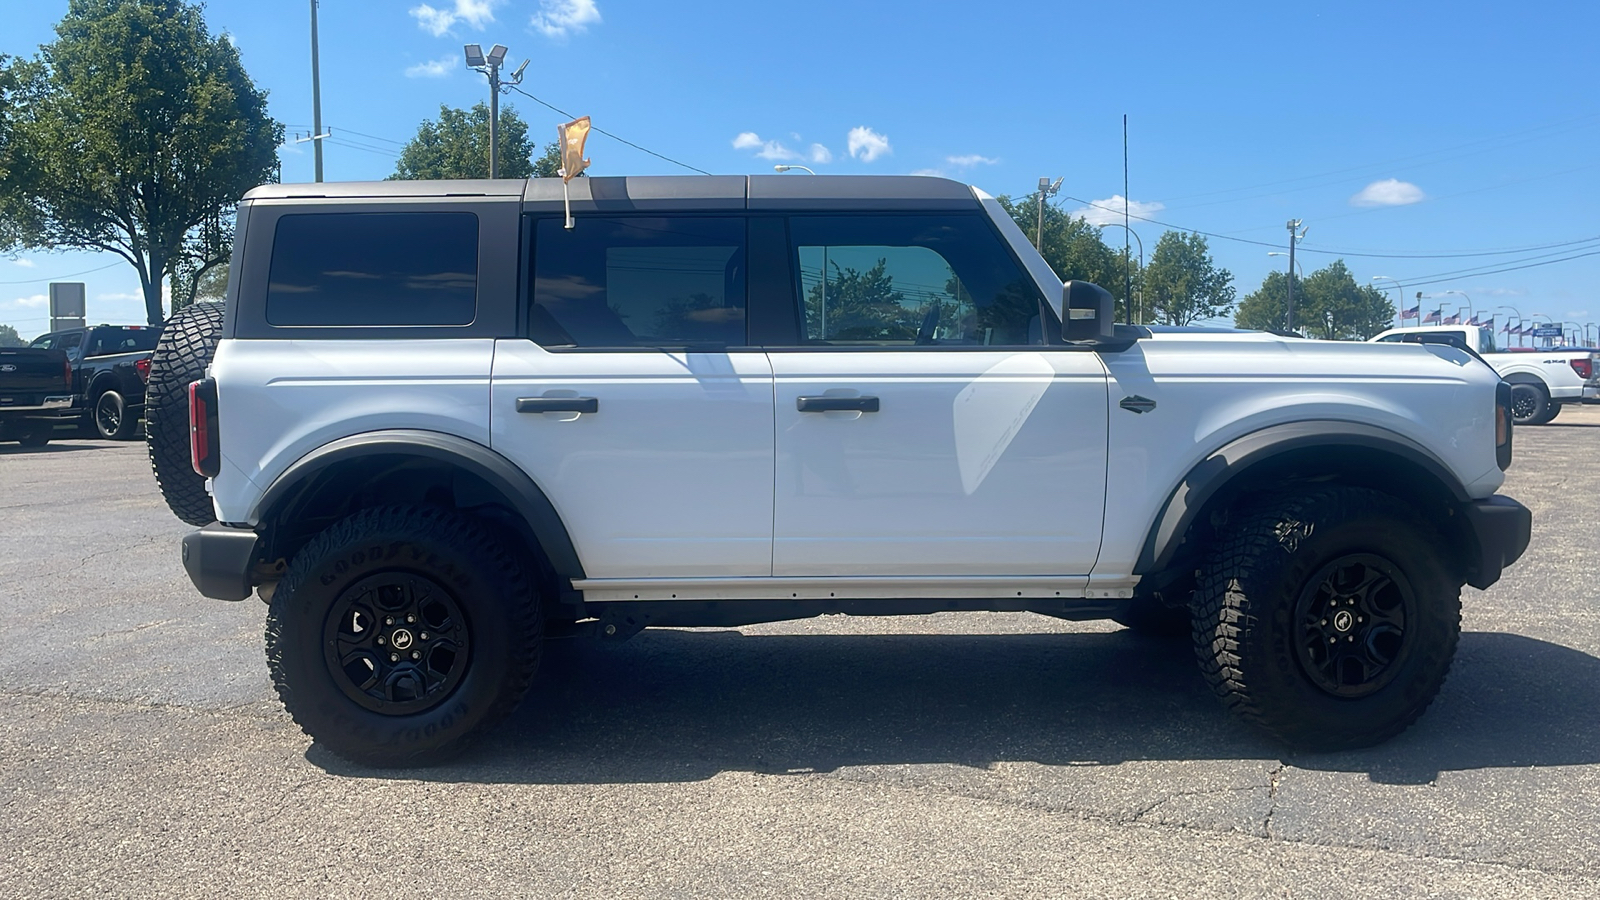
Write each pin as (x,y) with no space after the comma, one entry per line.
(438,22)
(25,263)
(932,173)
(867,145)
(821,154)
(1388,192)
(558,18)
(1109,210)
(433,68)
(749,140)
(114,295)
(970,160)
(37,301)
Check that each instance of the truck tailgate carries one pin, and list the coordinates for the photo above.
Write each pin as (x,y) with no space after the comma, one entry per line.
(28,376)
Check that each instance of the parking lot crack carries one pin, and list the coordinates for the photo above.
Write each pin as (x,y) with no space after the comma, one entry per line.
(1273,778)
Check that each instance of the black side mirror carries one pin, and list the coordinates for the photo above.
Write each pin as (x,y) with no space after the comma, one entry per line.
(1089,314)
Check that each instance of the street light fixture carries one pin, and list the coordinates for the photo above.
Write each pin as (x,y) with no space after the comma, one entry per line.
(1519,322)
(490,66)
(781,169)
(1297,267)
(1401,308)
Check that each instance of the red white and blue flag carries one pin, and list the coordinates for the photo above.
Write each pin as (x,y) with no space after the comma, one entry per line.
(1411,313)
(1432,317)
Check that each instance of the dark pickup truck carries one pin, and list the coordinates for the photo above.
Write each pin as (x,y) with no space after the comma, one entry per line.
(35,385)
(110,364)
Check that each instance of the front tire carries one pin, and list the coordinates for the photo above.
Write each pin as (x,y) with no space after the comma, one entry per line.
(1328,619)
(399,633)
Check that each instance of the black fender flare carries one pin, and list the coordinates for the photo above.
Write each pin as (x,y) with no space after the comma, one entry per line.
(1212,474)
(501,474)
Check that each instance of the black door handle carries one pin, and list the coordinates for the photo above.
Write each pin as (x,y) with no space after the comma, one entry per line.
(836,404)
(558,404)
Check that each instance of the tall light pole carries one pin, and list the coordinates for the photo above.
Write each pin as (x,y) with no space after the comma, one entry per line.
(1470,310)
(1297,267)
(490,65)
(782,169)
(1046,189)
(316,98)
(1141,267)
(1519,322)
(1401,309)
(1294,227)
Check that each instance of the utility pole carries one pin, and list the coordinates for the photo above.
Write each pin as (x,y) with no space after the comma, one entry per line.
(316,98)
(490,65)
(1127,259)
(1296,233)
(1046,189)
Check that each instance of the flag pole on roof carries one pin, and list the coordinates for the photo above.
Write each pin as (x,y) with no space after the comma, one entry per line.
(573,136)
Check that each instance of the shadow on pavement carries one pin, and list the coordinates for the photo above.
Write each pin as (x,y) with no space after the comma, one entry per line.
(684,706)
(13,449)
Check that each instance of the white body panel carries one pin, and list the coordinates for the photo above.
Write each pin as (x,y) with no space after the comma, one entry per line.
(1213,388)
(671,477)
(978,463)
(279,400)
(1553,368)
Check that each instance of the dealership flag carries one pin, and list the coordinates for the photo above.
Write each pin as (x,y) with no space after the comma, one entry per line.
(573,136)
(1432,317)
(1411,313)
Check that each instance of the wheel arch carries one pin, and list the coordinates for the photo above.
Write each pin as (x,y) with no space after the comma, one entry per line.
(1302,452)
(381,467)
(1527,378)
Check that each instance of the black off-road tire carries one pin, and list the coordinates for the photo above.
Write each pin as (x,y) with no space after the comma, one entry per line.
(187,343)
(1257,643)
(109,417)
(1531,404)
(459,579)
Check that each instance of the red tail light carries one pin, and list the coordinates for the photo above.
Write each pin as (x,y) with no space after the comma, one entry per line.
(142,366)
(66,373)
(1584,367)
(204,453)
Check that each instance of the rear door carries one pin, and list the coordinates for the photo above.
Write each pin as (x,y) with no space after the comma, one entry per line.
(925,427)
(634,401)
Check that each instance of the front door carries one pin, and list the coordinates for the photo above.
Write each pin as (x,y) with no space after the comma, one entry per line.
(924,425)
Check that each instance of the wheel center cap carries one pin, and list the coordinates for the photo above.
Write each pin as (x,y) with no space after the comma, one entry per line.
(401,639)
(1342,620)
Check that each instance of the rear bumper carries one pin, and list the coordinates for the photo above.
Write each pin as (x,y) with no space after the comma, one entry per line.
(219,559)
(1503,528)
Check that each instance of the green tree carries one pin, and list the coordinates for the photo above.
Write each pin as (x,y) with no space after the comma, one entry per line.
(862,306)
(135,132)
(10,338)
(457,146)
(1329,304)
(1183,284)
(1075,249)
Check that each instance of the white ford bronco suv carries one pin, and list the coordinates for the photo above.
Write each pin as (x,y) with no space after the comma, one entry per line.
(433,424)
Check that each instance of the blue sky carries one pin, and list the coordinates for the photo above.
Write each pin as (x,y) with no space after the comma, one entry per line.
(1412,129)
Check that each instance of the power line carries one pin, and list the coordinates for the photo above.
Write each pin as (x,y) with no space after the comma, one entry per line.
(59,277)
(609,134)
(370,137)
(1438,279)
(1303,249)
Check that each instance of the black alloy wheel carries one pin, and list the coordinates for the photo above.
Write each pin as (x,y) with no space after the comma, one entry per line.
(111,417)
(1328,616)
(1353,615)
(396,643)
(399,633)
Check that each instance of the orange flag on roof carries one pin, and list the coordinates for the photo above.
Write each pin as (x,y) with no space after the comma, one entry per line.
(573,136)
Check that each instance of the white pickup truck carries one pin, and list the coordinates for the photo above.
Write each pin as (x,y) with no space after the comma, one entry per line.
(1541,380)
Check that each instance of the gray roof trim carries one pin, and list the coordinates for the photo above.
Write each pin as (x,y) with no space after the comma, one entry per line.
(381,190)
(641,193)
(859,192)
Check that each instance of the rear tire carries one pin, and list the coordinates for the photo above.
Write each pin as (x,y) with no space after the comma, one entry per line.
(110,417)
(1530,404)
(401,632)
(187,343)
(1328,619)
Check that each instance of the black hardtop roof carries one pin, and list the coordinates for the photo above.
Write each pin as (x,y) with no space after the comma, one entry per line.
(664,192)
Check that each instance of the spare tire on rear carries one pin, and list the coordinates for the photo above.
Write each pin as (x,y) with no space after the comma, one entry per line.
(187,343)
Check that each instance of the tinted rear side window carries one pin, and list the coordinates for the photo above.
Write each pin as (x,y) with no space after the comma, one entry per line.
(409,268)
(639,282)
(125,339)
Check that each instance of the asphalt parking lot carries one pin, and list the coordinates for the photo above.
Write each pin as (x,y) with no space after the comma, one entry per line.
(143,752)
